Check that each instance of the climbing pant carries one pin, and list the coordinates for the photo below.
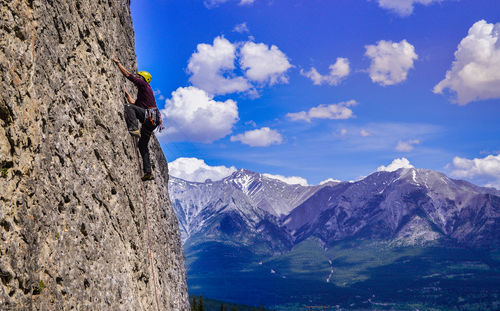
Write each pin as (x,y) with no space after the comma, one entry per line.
(133,114)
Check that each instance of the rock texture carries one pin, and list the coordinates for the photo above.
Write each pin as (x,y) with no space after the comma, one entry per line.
(73,229)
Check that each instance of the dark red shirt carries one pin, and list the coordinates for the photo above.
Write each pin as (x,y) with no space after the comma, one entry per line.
(145,97)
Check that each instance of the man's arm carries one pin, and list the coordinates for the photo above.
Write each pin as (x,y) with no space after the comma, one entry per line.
(129,98)
(122,69)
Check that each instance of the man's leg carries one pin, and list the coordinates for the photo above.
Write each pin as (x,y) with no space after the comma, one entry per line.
(132,114)
(146,132)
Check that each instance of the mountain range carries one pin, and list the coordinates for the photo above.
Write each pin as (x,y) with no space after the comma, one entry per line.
(406,206)
(250,225)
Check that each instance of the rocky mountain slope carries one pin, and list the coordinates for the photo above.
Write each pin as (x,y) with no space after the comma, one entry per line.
(244,207)
(408,206)
(73,231)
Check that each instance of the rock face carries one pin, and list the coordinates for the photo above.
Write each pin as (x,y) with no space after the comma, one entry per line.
(73,231)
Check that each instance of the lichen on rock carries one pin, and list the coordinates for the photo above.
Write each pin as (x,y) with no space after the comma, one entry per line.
(72,224)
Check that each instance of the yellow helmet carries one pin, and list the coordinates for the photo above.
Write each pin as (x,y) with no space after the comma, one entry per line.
(146,75)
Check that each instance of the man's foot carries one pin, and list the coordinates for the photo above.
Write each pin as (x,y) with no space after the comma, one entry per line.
(135,133)
(147,177)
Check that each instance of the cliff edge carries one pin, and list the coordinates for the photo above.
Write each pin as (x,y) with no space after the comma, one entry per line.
(73,231)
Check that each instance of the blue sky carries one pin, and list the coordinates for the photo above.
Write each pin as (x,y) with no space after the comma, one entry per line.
(237,80)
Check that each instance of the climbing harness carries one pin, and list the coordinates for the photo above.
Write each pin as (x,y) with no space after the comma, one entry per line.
(147,224)
(154,116)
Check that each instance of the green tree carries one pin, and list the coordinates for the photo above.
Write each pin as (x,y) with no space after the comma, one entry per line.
(201,307)
(221,307)
(235,308)
(194,307)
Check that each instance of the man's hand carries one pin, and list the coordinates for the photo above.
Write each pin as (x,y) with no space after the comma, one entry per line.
(126,92)
(122,69)
(129,98)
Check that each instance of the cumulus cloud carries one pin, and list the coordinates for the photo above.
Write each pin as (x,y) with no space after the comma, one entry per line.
(259,138)
(485,170)
(390,61)
(338,111)
(329,180)
(407,146)
(475,72)
(292,180)
(241,28)
(338,71)
(403,7)
(193,169)
(211,68)
(365,133)
(193,115)
(264,64)
(395,165)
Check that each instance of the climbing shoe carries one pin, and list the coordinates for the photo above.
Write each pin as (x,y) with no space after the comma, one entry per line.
(147,177)
(135,133)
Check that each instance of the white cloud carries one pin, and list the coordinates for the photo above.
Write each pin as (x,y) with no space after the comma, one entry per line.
(343,132)
(403,7)
(251,123)
(241,28)
(264,64)
(475,72)
(338,111)
(193,169)
(292,180)
(192,115)
(407,146)
(365,133)
(329,180)
(484,170)
(391,61)
(157,93)
(211,68)
(246,2)
(338,71)
(259,138)
(213,3)
(395,165)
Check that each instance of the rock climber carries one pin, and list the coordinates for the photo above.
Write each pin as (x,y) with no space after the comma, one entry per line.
(142,109)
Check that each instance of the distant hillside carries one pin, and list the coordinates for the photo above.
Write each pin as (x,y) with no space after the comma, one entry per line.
(412,238)
(215,305)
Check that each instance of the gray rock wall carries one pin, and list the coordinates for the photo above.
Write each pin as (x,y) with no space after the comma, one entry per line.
(72,224)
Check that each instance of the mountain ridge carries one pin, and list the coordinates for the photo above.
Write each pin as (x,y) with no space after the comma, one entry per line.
(406,198)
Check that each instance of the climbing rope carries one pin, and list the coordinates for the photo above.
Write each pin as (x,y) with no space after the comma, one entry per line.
(147,224)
